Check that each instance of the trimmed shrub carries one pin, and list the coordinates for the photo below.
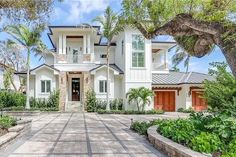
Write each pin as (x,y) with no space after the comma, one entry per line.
(206,142)
(7,122)
(91,100)
(9,99)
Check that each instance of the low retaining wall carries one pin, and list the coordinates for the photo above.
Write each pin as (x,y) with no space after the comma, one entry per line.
(23,127)
(21,113)
(171,148)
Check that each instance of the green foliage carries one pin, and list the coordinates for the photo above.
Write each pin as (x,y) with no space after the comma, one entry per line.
(7,77)
(91,100)
(223,126)
(7,122)
(103,111)
(221,93)
(141,127)
(140,96)
(9,99)
(230,154)
(115,104)
(206,142)
(52,103)
(232,146)
(181,130)
(189,110)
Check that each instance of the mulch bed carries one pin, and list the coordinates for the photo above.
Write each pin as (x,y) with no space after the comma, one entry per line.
(3,131)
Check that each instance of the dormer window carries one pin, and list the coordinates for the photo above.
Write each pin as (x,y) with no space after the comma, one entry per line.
(138,53)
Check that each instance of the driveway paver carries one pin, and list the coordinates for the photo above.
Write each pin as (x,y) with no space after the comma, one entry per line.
(84,134)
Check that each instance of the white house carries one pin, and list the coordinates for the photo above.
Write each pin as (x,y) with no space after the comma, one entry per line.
(79,64)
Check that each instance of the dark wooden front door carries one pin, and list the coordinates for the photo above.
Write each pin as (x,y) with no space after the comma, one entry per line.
(75,89)
(165,100)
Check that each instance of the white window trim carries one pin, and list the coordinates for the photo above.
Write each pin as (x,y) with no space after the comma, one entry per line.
(134,67)
(103,86)
(45,87)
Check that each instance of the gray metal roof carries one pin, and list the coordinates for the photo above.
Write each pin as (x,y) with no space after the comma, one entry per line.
(113,66)
(176,78)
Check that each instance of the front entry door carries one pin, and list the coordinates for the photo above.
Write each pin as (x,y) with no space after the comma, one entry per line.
(75,89)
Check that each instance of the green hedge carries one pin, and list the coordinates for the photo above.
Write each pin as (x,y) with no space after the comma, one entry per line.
(130,112)
(15,101)
(9,99)
(202,133)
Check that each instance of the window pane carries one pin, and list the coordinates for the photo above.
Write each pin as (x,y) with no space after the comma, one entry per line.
(105,82)
(48,86)
(134,59)
(101,86)
(140,60)
(43,86)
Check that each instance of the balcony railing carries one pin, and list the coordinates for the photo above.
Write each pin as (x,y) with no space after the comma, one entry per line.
(159,66)
(73,59)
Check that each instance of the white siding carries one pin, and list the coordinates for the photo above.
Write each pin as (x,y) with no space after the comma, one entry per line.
(99,50)
(44,74)
(119,53)
(115,82)
(136,77)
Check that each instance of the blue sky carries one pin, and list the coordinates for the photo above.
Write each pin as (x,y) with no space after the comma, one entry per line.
(74,12)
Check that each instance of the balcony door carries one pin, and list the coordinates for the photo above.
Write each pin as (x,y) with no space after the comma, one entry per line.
(75,89)
(75,55)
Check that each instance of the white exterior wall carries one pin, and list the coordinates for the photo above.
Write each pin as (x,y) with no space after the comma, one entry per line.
(101,75)
(136,77)
(99,50)
(44,74)
(119,56)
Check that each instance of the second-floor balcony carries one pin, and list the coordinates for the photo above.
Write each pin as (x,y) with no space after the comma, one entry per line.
(73,59)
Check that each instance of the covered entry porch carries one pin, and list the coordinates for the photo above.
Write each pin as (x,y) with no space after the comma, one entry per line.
(73,87)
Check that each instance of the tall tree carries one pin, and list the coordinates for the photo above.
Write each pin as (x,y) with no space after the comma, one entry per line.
(32,12)
(30,40)
(181,56)
(196,25)
(12,60)
(111,27)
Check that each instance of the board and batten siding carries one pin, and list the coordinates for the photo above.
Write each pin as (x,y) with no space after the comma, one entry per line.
(136,76)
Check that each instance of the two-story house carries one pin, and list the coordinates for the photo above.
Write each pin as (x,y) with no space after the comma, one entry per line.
(79,63)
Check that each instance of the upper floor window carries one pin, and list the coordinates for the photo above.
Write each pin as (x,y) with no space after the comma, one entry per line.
(102,86)
(138,51)
(45,86)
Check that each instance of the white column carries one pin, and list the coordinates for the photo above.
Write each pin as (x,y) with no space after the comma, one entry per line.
(84,44)
(88,44)
(64,44)
(60,44)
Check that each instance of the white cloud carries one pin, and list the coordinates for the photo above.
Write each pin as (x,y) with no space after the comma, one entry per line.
(73,11)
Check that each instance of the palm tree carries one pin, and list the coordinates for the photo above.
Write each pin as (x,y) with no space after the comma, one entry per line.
(111,26)
(181,56)
(134,97)
(30,40)
(145,96)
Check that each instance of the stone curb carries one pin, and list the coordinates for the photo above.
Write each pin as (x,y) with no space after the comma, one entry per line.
(22,113)
(171,148)
(15,132)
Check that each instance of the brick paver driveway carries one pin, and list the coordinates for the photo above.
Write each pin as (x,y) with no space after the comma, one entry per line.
(82,134)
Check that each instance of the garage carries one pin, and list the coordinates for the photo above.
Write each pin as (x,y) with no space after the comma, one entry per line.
(165,100)
(198,102)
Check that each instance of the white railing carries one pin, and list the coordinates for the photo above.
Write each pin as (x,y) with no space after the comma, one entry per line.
(159,66)
(72,59)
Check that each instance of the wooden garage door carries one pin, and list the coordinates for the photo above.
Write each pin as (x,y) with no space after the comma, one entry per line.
(165,100)
(198,102)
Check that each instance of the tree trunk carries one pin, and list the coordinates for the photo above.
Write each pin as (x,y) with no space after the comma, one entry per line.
(230,56)
(108,81)
(27,106)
